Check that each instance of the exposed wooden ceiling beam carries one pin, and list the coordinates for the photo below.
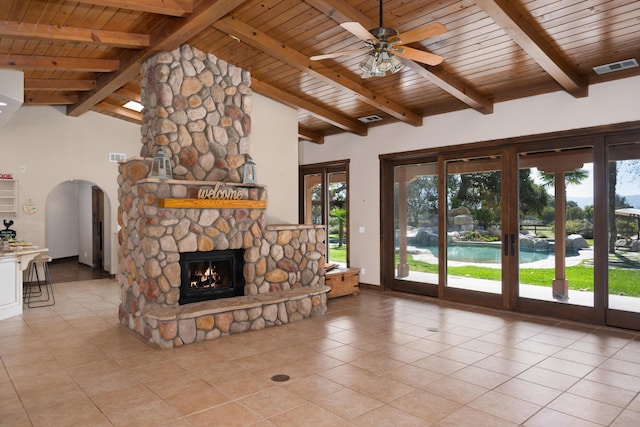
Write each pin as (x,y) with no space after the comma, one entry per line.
(38,99)
(282,52)
(24,30)
(455,87)
(519,28)
(162,7)
(119,112)
(314,109)
(59,63)
(309,135)
(166,38)
(60,84)
(340,11)
(126,93)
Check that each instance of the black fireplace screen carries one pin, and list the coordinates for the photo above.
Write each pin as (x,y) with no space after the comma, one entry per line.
(211,275)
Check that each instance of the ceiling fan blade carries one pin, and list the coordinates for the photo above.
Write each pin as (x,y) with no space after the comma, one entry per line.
(417,55)
(418,34)
(359,31)
(337,54)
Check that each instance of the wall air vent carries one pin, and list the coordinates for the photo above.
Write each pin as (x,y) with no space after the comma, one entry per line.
(117,157)
(369,119)
(616,66)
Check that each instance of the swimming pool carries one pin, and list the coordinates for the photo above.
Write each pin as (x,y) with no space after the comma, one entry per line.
(484,253)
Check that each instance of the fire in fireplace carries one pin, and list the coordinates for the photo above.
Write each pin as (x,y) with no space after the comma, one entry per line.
(211,275)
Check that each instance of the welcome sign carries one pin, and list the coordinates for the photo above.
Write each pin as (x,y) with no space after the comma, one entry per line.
(216,197)
(219,193)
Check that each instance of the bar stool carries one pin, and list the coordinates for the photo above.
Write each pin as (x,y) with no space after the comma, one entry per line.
(37,292)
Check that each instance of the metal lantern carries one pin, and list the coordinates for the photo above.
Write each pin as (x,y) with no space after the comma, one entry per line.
(161,166)
(249,172)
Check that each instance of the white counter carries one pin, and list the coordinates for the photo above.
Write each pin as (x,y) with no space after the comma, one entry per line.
(12,264)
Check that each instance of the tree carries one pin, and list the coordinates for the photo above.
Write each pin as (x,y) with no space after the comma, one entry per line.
(588,213)
(572,177)
(533,197)
(476,191)
(575,213)
(339,216)
(422,199)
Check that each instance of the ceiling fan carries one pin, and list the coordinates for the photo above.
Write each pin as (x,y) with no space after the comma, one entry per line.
(383,45)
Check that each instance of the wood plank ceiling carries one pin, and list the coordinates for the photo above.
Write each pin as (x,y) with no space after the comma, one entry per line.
(86,54)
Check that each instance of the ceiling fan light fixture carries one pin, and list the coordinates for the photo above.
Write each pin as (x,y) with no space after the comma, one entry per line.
(380,62)
(368,64)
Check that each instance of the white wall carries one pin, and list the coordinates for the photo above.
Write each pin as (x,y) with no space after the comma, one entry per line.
(274,148)
(607,103)
(55,148)
(11,93)
(61,221)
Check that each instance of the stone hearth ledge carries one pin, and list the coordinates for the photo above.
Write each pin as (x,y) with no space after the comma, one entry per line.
(175,326)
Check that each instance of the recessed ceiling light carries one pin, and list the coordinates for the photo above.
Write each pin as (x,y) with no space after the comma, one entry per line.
(133,105)
(3,104)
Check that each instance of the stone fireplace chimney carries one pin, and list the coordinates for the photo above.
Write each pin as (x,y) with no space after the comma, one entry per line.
(197,108)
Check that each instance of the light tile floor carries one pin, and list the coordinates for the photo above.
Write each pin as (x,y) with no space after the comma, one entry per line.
(376,359)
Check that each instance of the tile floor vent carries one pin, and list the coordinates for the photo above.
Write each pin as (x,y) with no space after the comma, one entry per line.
(616,66)
(369,119)
(117,157)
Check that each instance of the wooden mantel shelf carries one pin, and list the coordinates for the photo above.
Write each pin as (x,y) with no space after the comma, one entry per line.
(211,204)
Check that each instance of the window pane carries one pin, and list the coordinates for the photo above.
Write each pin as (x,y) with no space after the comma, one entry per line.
(313,199)
(624,227)
(416,222)
(474,223)
(556,226)
(337,197)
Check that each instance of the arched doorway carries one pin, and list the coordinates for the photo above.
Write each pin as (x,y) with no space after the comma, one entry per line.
(77,223)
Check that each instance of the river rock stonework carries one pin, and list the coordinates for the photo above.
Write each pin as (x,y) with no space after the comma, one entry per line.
(197,109)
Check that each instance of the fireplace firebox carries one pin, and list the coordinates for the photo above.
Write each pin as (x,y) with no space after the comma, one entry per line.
(211,275)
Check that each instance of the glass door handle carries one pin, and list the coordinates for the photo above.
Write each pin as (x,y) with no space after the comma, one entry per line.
(513,244)
(505,244)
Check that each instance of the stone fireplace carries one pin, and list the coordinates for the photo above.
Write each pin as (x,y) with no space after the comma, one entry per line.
(197,108)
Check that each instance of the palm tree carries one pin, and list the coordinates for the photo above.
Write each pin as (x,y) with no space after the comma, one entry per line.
(572,177)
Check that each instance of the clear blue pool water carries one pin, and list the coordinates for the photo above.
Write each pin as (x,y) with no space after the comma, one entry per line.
(485,254)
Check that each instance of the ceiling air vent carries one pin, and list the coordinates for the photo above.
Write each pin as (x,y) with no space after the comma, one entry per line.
(616,66)
(369,119)
(117,157)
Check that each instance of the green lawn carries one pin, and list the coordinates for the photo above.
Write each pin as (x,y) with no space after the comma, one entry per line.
(621,280)
(337,254)
(624,277)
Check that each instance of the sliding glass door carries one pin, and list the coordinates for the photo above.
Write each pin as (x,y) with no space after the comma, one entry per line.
(448,227)
(556,214)
(474,241)
(547,227)
(415,224)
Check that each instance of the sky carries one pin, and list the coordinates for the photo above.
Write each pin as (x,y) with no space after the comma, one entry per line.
(583,194)
(626,185)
